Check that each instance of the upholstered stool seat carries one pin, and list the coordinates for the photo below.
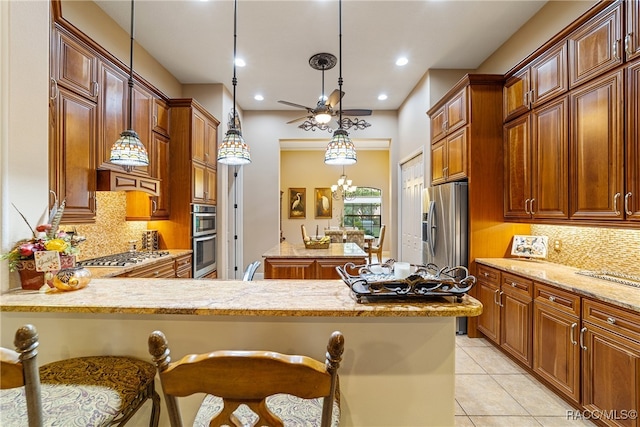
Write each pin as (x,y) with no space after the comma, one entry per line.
(122,384)
(294,411)
(91,391)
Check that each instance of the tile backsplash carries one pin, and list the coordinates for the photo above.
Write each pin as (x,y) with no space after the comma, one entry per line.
(111,233)
(592,248)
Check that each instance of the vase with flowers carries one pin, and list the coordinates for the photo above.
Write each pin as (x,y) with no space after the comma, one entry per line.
(45,237)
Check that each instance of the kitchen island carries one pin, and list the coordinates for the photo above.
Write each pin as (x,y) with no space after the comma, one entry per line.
(295,261)
(397,369)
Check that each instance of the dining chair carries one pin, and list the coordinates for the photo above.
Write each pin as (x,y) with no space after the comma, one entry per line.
(95,391)
(305,236)
(355,236)
(376,249)
(336,236)
(250,271)
(261,388)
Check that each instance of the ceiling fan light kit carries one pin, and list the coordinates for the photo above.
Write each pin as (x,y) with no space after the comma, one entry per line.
(233,150)
(128,151)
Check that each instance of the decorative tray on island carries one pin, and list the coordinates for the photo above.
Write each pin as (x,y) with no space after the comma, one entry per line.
(382,282)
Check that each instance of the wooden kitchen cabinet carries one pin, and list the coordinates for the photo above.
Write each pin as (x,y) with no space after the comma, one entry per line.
(536,163)
(542,80)
(556,326)
(632,160)
(464,116)
(596,46)
(515,300)
(75,66)
(163,269)
(487,292)
(506,313)
(183,266)
(204,184)
(112,111)
(449,158)
(72,172)
(190,180)
(450,116)
(610,342)
(597,147)
(632,37)
(193,153)
(143,206)
(290,268)
(161,117)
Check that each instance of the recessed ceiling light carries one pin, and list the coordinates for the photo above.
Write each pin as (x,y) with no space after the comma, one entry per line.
(402,61)
(382,97)
(259,97)
(240,62)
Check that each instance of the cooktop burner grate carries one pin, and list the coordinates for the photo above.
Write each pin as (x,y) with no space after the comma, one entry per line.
(122,259)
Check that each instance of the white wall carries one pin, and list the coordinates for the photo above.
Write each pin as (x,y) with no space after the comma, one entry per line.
(24,120)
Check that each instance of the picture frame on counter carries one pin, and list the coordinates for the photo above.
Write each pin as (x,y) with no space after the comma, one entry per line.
(297,203)
(529,246)
(323,203)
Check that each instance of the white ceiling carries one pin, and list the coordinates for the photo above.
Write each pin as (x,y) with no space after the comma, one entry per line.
(193,39)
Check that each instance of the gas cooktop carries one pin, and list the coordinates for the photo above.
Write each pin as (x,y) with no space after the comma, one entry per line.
(123,259)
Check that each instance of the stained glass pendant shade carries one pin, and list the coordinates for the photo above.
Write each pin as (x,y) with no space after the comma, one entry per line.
(128,151)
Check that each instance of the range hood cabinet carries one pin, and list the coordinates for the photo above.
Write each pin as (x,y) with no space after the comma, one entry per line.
(109,180)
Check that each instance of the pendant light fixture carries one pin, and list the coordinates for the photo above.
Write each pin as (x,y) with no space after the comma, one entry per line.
(128,151)
(340,150)
(233,150)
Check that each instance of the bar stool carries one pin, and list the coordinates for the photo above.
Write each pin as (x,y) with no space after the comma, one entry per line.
(95,391)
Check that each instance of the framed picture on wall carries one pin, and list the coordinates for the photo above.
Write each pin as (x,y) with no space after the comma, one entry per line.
(323,202)
(297,202)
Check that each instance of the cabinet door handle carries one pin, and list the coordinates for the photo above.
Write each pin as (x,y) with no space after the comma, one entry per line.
(615,203)
(525,99)
(615,49)
(96,88)
(500,299)
(531,98)
(514,284)
(571,336)
(485,274)
(627,197)
(155,206)
(582,346)
(531,206)
(526,207)
(55,90)
(495,296)
(627,44)
(552,298)
(611,320)
(445,125)
(445,172)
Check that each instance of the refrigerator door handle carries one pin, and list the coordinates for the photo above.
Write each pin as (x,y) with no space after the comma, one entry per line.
(431,228)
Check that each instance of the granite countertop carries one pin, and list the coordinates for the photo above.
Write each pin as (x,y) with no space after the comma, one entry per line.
(98,272)
(565,277)
(298,298)
(335,250)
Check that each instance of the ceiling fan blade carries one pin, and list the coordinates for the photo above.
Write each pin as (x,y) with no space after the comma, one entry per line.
(356,112)
(291,104)
(298,119)
(334,98)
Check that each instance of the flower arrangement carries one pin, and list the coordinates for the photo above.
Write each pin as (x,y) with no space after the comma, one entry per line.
(45,237)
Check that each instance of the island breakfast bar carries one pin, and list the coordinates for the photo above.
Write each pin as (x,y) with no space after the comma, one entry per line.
(397,368)
(296,261)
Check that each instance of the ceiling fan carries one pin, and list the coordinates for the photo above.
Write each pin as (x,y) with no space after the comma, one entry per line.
(326,107)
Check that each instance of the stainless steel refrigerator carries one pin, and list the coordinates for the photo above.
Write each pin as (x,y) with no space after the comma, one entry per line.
(445,229)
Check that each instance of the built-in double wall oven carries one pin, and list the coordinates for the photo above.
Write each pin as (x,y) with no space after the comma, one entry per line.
(204,239)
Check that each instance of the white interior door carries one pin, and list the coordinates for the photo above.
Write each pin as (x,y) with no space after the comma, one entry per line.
(412,183)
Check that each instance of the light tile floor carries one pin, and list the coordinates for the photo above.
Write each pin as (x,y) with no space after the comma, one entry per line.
(493,391)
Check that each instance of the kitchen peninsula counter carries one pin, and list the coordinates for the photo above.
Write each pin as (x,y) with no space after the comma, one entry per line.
(295,261)
(395,353)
